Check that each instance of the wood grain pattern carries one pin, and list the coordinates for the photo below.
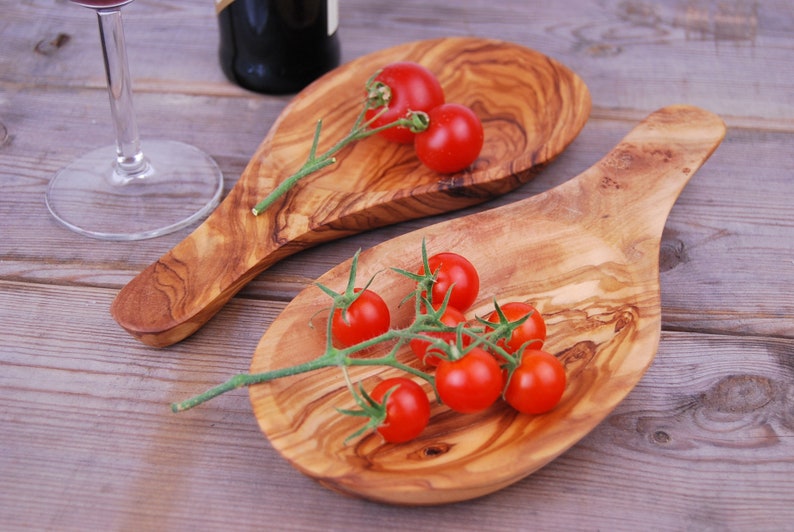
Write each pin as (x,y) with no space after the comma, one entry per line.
(531,106)
(705,441)
(588,261)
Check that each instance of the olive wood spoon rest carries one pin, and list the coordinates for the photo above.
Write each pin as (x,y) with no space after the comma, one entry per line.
(585,253)
(531,106)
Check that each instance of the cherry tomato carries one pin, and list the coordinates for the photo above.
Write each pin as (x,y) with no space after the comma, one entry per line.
(451,317)
(537,384)
(452,141)
(532,332)
(367,317)
(453,269)
(413,88)
(407,409)
(471,383)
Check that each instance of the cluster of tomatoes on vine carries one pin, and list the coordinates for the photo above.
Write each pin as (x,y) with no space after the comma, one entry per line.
(447,137)
(470,364)
(404,103)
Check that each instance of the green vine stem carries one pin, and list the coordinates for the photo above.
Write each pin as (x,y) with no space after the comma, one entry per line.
(427,321)
(338,357)
(416,121)
(248,379)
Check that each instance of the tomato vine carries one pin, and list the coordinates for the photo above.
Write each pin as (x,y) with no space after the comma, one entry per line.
(471,359)
(397,105)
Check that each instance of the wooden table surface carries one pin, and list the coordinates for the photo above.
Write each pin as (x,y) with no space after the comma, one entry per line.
(87,442)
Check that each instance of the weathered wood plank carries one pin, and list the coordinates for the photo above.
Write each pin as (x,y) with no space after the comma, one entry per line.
(727,231)
(637,55)
(89,442)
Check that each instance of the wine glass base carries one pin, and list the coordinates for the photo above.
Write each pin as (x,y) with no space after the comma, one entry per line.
(182,186)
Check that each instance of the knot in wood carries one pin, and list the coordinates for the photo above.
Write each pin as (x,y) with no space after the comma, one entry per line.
(48,47)
(672,253)
(5,138)
(661,437)
(740,394)
(431,451)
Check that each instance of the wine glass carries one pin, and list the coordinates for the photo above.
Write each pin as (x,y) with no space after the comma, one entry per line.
(117,192)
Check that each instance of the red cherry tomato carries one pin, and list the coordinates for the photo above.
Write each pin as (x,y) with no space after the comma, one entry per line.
(470,384)
(407,409)
(452,141)
(453,269)
(537,384)
(532,332)
(451,317)
(367,317)
(413,88)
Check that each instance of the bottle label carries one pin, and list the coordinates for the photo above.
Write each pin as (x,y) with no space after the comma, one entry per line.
(333,16)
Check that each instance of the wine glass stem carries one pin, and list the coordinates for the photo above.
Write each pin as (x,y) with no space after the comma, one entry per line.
(130,161)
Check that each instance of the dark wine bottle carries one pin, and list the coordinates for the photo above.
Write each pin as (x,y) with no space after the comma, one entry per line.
(277,46)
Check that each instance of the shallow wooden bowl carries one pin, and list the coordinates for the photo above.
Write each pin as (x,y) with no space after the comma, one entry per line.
(585,253)
(531,106)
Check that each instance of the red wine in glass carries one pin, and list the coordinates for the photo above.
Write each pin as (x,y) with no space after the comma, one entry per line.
(101,3)
(131,190)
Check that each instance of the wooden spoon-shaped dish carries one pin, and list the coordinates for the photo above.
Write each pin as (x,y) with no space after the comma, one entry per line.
(531,106)
(585,253)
